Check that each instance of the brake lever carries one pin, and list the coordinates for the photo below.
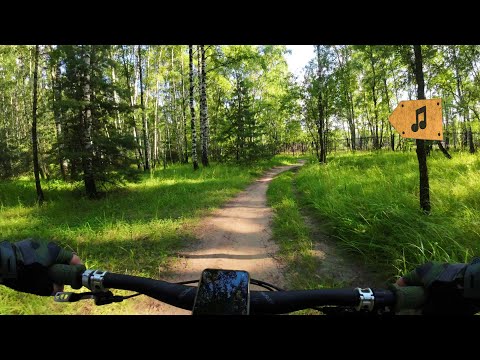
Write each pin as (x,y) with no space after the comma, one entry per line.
(100,298)
(62,296)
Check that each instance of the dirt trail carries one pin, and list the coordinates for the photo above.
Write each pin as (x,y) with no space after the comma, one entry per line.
(236,236)
(335,264)
(346,271)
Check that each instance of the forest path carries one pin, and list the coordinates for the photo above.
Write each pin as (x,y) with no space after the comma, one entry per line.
(236,236)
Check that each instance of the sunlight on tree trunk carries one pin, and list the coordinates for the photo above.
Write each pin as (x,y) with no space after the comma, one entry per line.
(38,186)
(87,158)
(192,110)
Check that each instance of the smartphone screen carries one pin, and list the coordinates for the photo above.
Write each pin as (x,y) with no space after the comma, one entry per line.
(223,292)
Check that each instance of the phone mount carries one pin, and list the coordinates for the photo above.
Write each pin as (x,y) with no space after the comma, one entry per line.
(223,292)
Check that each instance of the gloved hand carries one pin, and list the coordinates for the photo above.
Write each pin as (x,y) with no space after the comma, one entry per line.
(449,288)
(24,265)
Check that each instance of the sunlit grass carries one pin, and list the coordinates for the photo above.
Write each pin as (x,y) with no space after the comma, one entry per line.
(293,236)
(295,240)
(372,203)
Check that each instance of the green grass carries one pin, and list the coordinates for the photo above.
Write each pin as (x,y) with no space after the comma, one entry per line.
(290,231)
(293,236)
(133,230)
(371,201)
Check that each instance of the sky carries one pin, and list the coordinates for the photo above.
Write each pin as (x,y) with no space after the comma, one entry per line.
(300,56)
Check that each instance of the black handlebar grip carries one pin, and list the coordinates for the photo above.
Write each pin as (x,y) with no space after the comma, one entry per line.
(67,274)
(409,297)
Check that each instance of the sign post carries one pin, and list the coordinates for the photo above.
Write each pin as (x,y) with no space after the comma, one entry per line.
(418,119)
(421,120)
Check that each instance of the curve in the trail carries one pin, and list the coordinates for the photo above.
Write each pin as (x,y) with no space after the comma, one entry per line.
(236,236)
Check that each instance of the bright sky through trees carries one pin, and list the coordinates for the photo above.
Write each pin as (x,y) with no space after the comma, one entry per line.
(300,56)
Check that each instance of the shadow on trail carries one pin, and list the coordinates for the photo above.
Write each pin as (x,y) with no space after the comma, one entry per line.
(225,256)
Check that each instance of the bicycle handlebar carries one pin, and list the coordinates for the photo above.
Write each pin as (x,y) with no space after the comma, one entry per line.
(261,302)
(67,275)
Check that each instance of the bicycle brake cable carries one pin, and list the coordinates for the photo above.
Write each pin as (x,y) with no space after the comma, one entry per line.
(100,297)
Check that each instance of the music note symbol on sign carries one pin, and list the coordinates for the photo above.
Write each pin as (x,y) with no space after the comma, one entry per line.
(423,123)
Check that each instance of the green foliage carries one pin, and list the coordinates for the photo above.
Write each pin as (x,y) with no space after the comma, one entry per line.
(111,149)
(15,108)
(242,132)
(364,83)
(8,157)
(259,107)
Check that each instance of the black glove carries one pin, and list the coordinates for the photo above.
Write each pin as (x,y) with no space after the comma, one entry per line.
(24,265)
(450,288)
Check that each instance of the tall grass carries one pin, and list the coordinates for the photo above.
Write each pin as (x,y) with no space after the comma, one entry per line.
(133,230)
(293,236)
(289,224)
(372,203)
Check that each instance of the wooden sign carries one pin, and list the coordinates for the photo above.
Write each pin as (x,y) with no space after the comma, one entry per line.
(418,119)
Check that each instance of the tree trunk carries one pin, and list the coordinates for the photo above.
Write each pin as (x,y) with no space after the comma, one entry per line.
(421,154)
(376,143)
(325,126)
(368,124)
(203,109)
(132,97)
(87,158)
(444,151)
(387,99)
(192,110)
(320,122)
(240,129)
(470,140)
(447,127)
(57,96)
(176,124)
(116,99)
(347,94)
(146,144)
(168,141)
(155,128)
(38,186)
(351,124)
(184,115)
